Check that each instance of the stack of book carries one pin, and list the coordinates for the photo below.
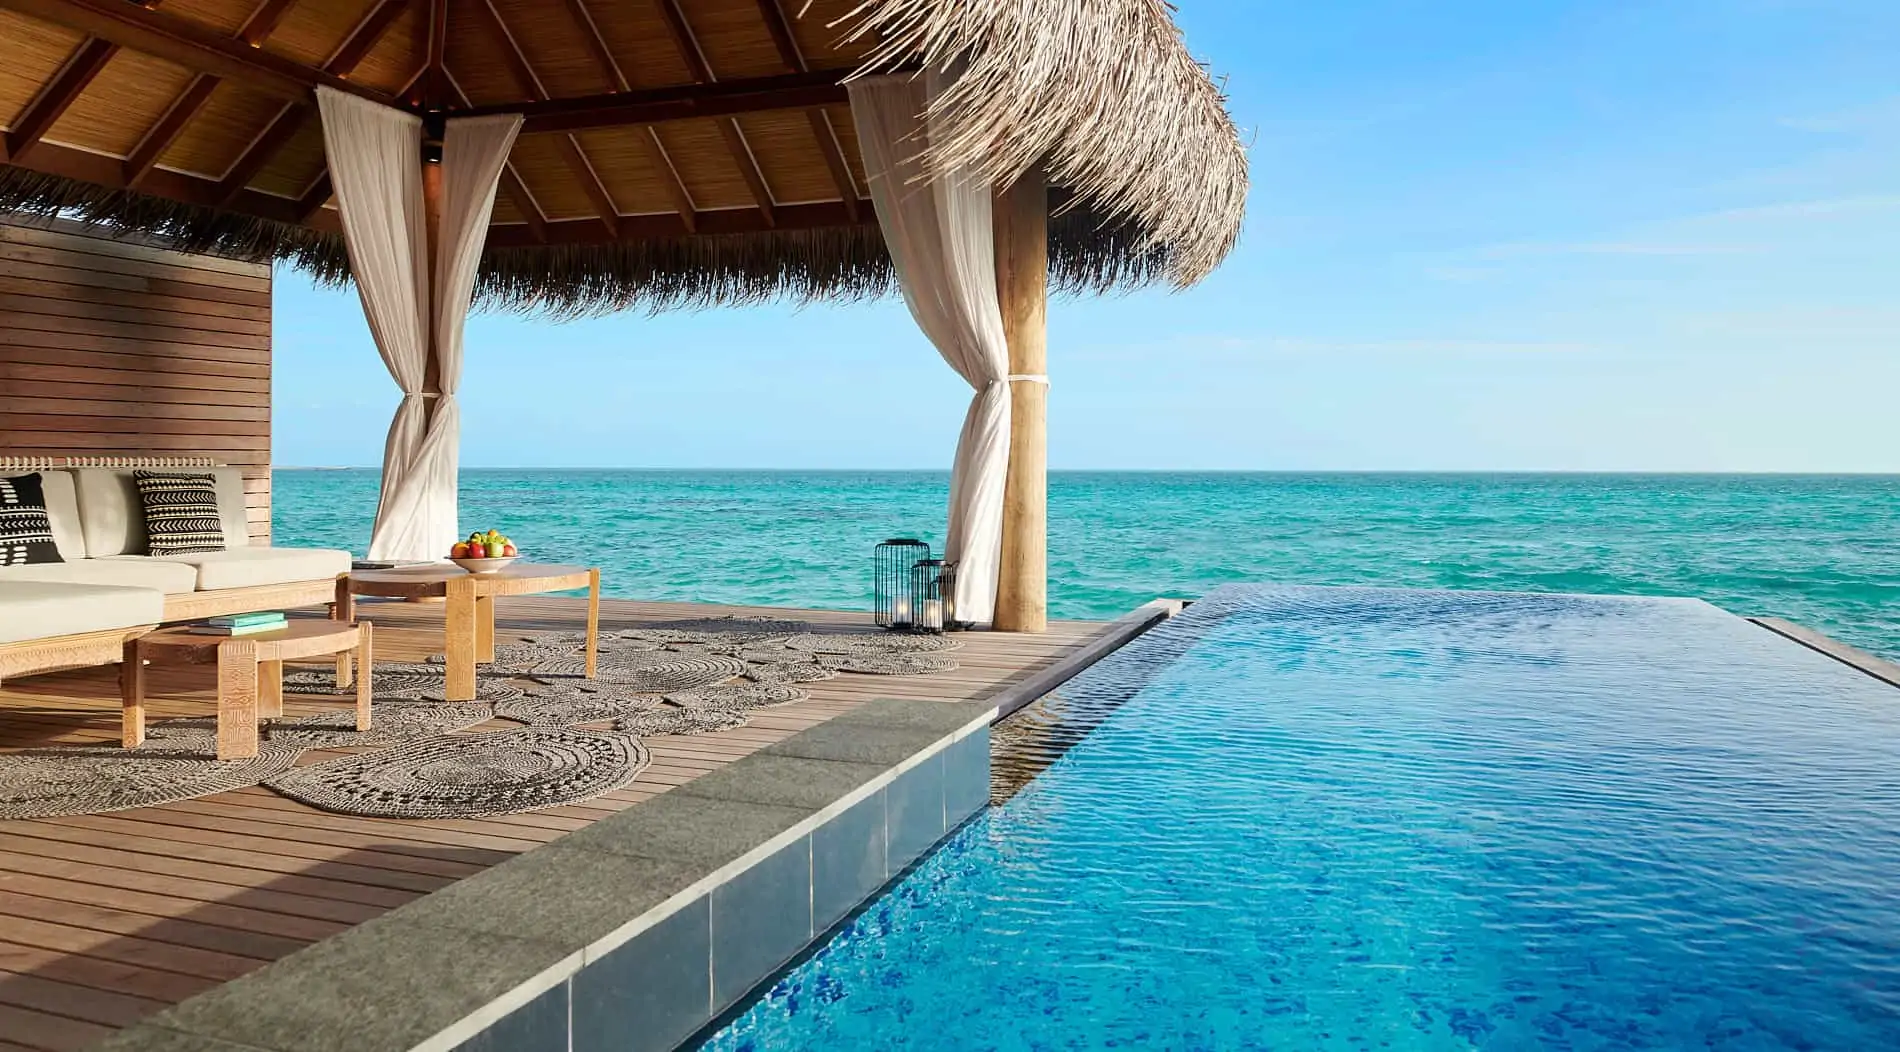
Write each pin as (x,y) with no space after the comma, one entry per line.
(241,624)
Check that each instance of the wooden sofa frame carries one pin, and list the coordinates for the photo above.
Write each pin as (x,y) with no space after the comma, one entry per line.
(83,650)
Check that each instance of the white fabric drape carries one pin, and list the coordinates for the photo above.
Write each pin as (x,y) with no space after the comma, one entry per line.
(375,159)
(941,240)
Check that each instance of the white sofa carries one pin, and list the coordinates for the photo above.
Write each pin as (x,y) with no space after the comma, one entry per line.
(106,585)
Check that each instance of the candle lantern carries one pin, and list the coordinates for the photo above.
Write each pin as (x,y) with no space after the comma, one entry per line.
(933,587)
(892,601)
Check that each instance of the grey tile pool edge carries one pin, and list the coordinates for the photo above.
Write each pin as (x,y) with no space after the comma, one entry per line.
(1879,668)
(1118,634)
(282,1007)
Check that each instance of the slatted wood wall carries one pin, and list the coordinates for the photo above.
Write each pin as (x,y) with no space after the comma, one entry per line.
(117,348)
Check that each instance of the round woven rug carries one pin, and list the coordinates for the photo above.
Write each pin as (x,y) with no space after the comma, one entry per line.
(471,775)
(401,681)
(652,672)
(750,696)
(391,722)
(172,765)
(567,702)
(671,719)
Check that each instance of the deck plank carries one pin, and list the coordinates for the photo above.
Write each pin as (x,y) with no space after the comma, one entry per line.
(105,918)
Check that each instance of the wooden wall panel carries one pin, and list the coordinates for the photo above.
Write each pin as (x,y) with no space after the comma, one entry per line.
(119,348)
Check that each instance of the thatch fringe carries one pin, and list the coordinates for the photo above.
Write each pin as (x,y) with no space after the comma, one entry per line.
(841,264)
(1102,93)
(185,227)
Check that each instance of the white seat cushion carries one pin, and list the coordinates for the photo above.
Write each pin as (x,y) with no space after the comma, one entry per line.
(113,516)
(32,610)
(245,567)
(124,571)
(62,511)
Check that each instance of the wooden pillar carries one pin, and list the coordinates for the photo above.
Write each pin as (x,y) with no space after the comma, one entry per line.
(432,219)
(1021,218)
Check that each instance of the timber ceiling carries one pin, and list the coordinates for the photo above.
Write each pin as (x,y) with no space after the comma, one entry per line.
(645,118)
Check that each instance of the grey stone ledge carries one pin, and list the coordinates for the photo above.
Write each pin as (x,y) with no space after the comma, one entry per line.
(786,781)
(858,742)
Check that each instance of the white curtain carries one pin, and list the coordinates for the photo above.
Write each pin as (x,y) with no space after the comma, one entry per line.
(375,159)
(941,240)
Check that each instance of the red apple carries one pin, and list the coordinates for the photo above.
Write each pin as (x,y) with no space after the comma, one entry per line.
(508,550)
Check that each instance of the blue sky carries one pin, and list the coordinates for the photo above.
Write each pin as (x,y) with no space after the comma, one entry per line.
(1564,236)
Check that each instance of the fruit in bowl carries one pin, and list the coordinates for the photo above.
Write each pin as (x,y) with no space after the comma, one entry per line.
(485,551)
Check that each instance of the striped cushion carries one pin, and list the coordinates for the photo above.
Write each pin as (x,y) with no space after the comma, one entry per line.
(26,535)
(181,512)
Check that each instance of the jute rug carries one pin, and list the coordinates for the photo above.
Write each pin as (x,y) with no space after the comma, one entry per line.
(579,736)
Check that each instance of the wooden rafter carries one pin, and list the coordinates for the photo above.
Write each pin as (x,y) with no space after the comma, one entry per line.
(160,137)
(314,197)
(189,44)
(610,68)
(780,27)
(434,83)
(662,225)
(571,152)
(288,122)
(364,36)
(263,21)
(87,60)
(695,58)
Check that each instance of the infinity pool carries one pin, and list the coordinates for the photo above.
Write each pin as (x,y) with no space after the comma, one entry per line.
(1370,819)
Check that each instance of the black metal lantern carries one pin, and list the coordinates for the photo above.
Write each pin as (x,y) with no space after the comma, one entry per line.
(892,601)
(933,589)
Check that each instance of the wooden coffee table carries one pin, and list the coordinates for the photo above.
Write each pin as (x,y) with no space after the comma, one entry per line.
(468,624)
(250,674)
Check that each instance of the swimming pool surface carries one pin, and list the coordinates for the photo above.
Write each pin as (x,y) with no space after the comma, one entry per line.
(1371,819)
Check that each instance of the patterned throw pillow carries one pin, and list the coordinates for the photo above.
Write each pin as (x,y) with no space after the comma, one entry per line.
(26,536)
(181,513)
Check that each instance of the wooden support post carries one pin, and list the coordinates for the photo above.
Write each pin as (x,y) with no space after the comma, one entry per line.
(432,219)
(1021,222)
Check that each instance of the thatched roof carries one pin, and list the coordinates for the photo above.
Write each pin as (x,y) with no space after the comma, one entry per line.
(676,152)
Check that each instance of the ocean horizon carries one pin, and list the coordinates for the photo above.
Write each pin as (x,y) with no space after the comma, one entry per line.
(1816,549)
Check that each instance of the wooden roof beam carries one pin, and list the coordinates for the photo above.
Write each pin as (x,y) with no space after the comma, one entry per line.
(263,21)
(617,78)
(363,37)
(695,57)
(780,27)
(525,203)
(793,91)
(665,224)
(162,134)
(85,63)
(189,44)
(315,197)
(288,122)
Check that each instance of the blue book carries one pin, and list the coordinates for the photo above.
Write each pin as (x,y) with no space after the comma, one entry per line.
(270,617)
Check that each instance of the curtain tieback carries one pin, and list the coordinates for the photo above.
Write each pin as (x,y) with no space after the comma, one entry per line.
(1028,378)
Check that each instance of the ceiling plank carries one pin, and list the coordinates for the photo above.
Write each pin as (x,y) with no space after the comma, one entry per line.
(162,134)
(187,43)
(571,152)
(88,167)
(695,57)
(263,21)
(85,63)
(364,36)
(288,122)
(780,27)
(794,91)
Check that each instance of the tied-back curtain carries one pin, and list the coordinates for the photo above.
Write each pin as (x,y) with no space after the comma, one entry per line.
(375,158)
(944,247)
(414,307)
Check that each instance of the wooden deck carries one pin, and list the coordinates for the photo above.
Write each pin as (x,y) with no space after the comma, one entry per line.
(107,918)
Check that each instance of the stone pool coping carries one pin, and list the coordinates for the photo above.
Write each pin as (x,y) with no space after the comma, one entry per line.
(631,933)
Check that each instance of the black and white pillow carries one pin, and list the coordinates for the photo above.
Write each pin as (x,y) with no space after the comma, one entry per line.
(26,535)
(181,512)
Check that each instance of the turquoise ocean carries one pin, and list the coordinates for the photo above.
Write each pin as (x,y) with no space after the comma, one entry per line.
(1821,550)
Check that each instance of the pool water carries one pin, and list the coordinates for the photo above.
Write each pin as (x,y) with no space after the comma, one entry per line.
(1408,820)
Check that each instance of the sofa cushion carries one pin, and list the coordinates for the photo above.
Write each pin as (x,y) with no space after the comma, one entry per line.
(181,512)
(26,534)
(32,610)
(245,567)
(126,571)
(62,509)
(113,518)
